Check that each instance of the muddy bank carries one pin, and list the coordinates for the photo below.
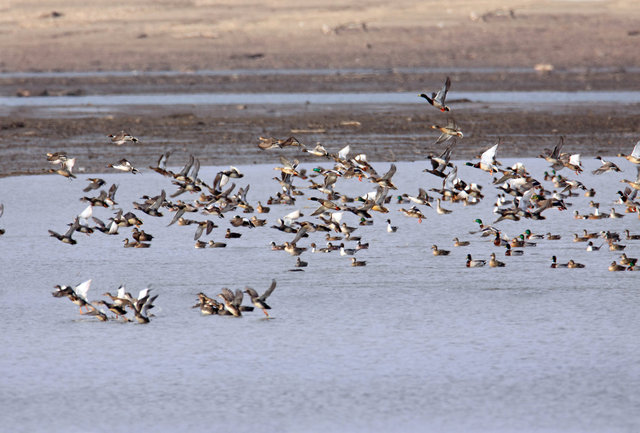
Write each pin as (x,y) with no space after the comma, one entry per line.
(229,134)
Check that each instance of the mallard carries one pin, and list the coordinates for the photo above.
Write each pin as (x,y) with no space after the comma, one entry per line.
(458,243)
(438,252)
(573,265)
(355,262)
(495,263)
(555,264)
(475,263)
(553,237)
(627,261)
(511,252)
(413,212)
(613,267)
(438,99)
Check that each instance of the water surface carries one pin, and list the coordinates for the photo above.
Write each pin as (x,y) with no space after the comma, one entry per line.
(410,342)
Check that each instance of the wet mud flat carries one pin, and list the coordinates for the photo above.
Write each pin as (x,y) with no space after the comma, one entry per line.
(228,134)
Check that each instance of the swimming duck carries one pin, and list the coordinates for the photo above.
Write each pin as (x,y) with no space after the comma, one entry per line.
(347,251)
(213,244)
(613,267)
(627,261)
(361,246)
(555,264)
(591,247)
(135,244)
(630,236)
(573,265)
(511,252)
(495,263)
(141,235)
(438,99)
(439,252)
(474,263)
(300,263)
(292,249)
(440,210)
(201,244)
(614,214)
(232,235)
(458,243)
(616,247)
(553,237)
(259,301)
(355,262)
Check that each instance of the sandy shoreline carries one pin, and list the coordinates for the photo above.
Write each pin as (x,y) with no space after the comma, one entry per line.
(591,45)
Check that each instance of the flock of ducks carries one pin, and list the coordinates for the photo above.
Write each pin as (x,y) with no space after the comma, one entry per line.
(519,197)
(118,306)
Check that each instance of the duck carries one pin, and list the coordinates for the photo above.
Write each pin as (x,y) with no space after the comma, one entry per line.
(124,165)
(471,263)
(232,301)
(300,263)
(141,235)
(413,212)
(262,209)
(529,235)
(201,244)
(259,301)
(122,137)
(213,244)
(292,249)
(552,237)
(613,267)
(361,246)
(390,228)
(555,264)
(437,100)
(447,132)
(135,244)
(495,263)
(605,167)
(232,235)
(67,237)
(458,243)
(439,252)
(77,294)
(614,214)
(578,238)
(512,252)
(634,157)
(591,247)
(355,262)
(347,251)
(440,210)
(616,247)
(574,265)
(629,236)
(627,261)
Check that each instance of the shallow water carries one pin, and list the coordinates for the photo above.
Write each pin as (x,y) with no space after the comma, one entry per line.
(411,342)
(393,98)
